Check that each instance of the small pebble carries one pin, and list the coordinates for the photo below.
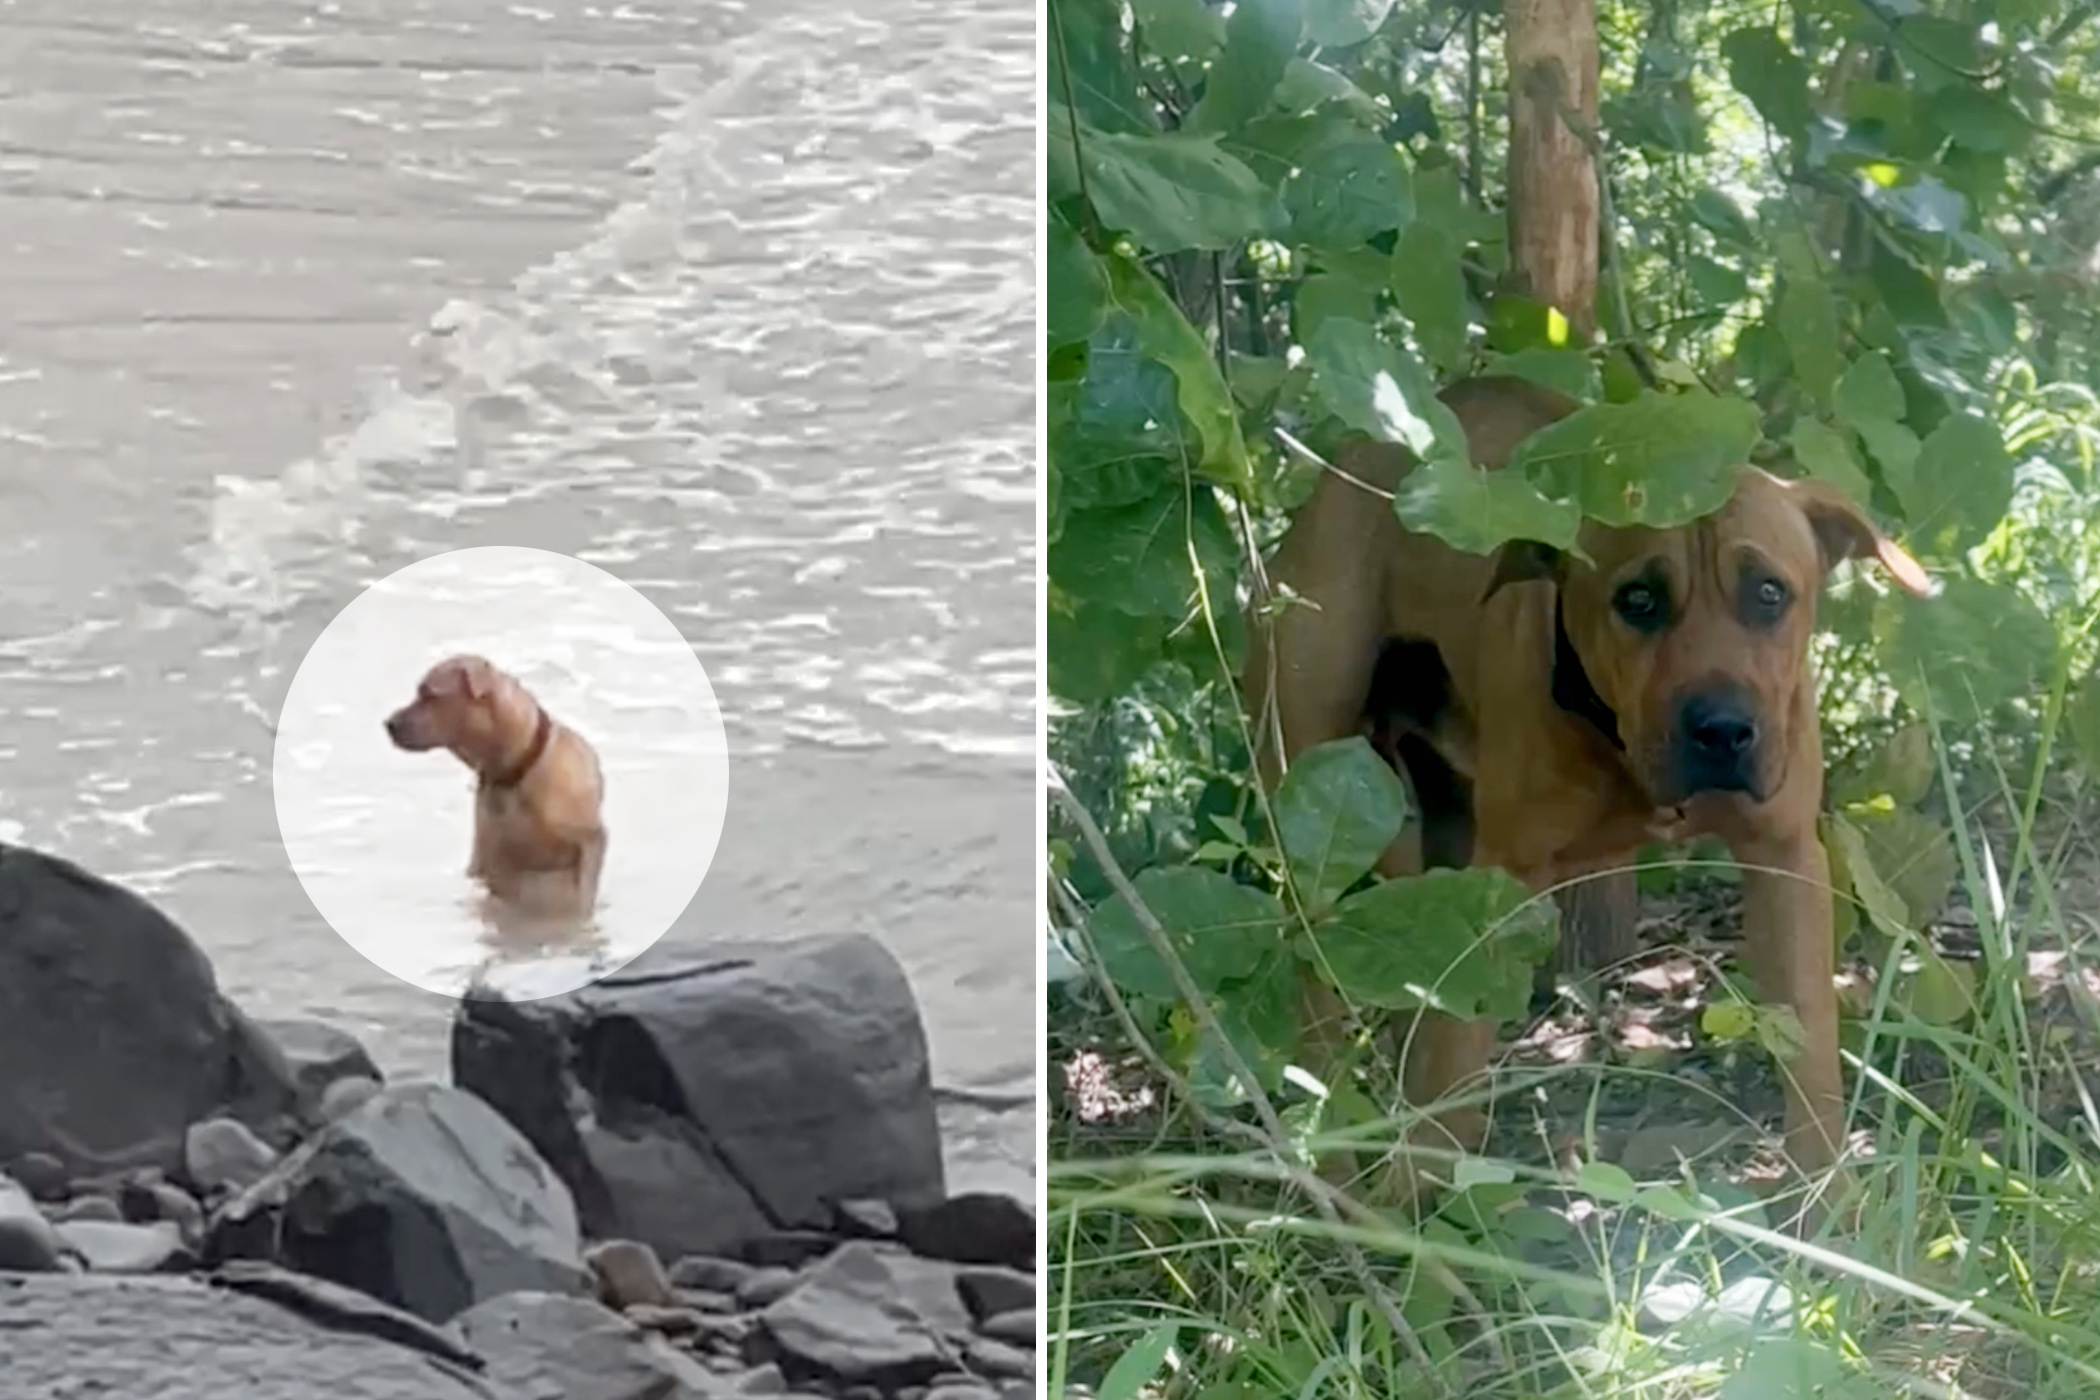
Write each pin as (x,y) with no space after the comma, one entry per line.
(997,1359)
(221,1154)
(628,1272)
(762,1380)
(345,1096)
(1016,1327)
(767,1286)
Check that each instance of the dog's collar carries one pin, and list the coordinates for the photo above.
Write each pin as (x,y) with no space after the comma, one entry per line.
(515,774)
(1572,690)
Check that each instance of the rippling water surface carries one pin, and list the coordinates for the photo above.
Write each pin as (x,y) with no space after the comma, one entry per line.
(735,303)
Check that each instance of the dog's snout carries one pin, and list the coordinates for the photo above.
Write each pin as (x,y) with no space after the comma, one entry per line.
(1717,743)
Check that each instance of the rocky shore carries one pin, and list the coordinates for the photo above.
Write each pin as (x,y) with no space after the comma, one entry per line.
(717,1173)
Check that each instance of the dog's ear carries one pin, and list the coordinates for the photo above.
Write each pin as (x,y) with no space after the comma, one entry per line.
(1845,532)
(1522,561)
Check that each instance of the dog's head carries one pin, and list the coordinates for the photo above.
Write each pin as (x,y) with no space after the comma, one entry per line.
(1696,639)
(460,705)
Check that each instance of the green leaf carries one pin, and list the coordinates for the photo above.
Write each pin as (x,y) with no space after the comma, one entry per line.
(1165,335)
(1914,856)
(1807,318)
(1660,460)
(1902,769)
(1459,941)
(1139,1366)
(1347,191)
(1728,1021)
(1869,389)
(1428,277)
(1118,434)
(1716,284)
(1826,454)
(1078,293)
(1104,79)
(1218,928)
(1096,652)
(1982,121)
(1968,649)
(1570,372)
(1939,992)
(1323,296)
(1307,86)
(1963,484)
(1175,191)
(1337,24)
(1378,388)
(1259,1015)
(1337,810)
(1724,219)
(1181,31)
(1261,38)
(1772,76)
(1135,558)
(1607,1181)
(1477,511)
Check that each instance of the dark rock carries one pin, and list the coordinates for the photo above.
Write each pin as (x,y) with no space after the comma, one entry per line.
(1016,1327)
(318,1055)
(90,1207)
(345,1097)
(765,1285)
(865,1220)
(42,1175)
(112,1028)
(987,1291)
(333,1305)
(787,1249)
(28,1242)
(424,1198)
(220,1153)
(998,1360)
(700,1097)
(977,1227)
(114,1247)
(868,1315)
(706,1272)
(182,1339)
(670,1321)
(628,1273)
(545,1346)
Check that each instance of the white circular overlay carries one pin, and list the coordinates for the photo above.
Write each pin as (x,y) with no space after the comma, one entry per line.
(381,838)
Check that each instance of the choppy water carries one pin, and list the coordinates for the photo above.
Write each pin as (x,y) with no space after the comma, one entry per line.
(735,303)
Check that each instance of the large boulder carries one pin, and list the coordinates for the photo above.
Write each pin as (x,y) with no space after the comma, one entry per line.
(184,1339)
(113,1032)
(700,1098)
(423,1197)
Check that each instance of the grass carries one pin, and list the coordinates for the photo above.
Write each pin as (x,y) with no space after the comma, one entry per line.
(1620,1240)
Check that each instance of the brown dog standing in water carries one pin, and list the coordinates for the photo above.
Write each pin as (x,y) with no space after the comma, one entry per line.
(539,834)
(1554,714)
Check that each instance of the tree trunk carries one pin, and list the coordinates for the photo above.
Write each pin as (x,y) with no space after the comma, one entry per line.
(1553,229)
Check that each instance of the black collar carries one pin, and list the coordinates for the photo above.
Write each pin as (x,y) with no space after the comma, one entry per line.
(1572,690)
(515,774)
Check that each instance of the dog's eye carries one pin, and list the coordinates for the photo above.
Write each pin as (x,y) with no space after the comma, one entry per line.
(1770,595)
(1638,603)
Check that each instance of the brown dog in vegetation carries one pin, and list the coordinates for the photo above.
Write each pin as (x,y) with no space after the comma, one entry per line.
(1554,715)
(539,836)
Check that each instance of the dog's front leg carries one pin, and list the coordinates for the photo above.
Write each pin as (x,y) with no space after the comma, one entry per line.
(1792,946)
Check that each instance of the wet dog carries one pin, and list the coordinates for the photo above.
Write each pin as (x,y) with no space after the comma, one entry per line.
(539,829)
